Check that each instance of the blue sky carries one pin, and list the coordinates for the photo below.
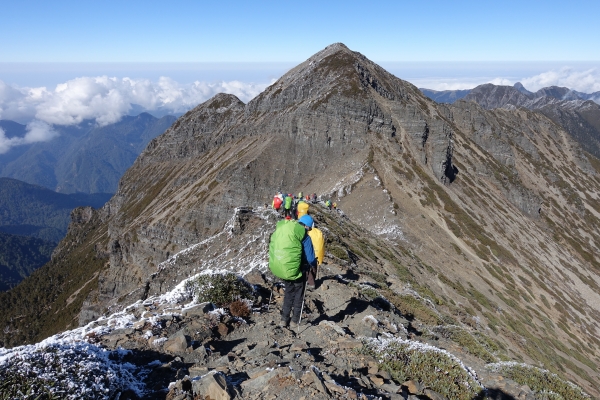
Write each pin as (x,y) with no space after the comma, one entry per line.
(267,31)
(62,62)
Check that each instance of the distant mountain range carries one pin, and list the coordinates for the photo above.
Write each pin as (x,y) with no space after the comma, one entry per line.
(445,96)
(578,113)
(84,158)
(517,92)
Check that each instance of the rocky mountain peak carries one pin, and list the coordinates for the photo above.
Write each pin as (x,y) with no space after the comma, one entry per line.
(332,73)
(519,86)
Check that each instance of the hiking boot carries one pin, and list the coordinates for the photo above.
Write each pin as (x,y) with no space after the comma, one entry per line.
(293,325)
(310,288)
(284,323)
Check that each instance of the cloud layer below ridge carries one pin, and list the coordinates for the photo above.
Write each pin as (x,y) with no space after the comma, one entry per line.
(106,99)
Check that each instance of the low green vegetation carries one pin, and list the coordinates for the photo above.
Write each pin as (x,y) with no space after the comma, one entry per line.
(479,345)
(220,289)
(412,307)
(543,382)
(442,372)
(14,385)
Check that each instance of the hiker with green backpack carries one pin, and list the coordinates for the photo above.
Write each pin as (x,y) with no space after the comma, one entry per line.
(291,255)
(288,204)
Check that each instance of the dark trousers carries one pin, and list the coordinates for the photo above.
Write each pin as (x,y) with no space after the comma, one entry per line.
(293,299)
(311,276)
(287,212)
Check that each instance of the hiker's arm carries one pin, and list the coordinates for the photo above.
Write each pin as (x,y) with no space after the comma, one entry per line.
(309,251)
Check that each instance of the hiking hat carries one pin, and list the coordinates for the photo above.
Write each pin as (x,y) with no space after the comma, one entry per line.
(306,220)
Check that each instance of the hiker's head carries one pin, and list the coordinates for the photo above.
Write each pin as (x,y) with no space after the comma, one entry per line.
(307,221)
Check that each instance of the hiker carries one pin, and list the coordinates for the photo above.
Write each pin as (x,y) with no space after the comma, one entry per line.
(314,198)
(288,202)
(335,206)
(302,208)
(318,242)
(299,196)
(291,254)
(328,204)
(277,202)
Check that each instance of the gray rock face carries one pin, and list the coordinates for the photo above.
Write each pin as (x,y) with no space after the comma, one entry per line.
(224,154)
(574,111)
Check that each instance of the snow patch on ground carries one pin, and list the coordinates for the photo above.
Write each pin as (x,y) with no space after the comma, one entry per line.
(344,187)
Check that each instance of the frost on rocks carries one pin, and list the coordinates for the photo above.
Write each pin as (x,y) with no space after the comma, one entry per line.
(250,256)
(79,370)
(388,349)
(344,187)
(85,370)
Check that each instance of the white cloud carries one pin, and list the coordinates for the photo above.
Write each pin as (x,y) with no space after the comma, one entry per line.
(587,81)
(501,82)
(105,99)
(37,131)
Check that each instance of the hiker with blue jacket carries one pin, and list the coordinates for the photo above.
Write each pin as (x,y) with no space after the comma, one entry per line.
(291,255)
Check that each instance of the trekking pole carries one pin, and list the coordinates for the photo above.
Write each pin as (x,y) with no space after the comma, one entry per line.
(302,307)
(270,298)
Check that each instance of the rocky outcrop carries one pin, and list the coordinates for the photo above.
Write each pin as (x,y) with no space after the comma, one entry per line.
(575,112)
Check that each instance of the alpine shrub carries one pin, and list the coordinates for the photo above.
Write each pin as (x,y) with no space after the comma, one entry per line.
(540,380)
(221,289)
(405,360)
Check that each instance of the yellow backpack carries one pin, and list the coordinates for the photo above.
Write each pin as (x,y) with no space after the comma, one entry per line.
(302,208)
(318,242)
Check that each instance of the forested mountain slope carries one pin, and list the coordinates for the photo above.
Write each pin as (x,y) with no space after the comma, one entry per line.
(81,158)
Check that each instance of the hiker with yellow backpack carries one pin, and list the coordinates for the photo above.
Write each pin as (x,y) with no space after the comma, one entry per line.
(291,254)
(302,208)
(318,242)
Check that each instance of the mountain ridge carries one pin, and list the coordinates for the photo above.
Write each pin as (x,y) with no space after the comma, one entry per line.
(474,201)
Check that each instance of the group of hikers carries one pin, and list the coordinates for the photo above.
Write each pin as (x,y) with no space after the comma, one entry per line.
(296,206)
(296,249)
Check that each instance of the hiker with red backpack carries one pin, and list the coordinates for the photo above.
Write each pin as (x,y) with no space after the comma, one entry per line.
(291,255)
(277,202)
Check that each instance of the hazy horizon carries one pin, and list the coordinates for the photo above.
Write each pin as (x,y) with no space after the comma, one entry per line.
(44,94)
(436,75)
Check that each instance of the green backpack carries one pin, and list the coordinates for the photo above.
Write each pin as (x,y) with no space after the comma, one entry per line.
(288,202)
(285,250)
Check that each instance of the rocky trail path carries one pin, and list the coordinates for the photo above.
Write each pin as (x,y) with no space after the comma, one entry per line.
(199,353)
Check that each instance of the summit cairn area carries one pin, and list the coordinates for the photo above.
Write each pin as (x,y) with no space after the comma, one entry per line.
(463,247)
